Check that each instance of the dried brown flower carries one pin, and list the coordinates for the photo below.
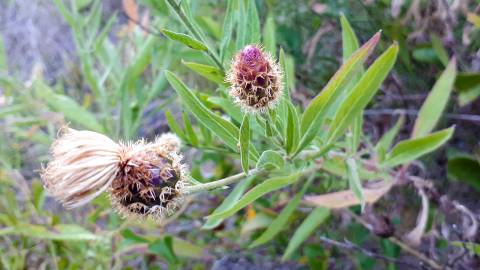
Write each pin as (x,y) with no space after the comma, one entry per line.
(255,78)
(143,179)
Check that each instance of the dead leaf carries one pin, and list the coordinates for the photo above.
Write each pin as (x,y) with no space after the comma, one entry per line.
(347,198)
(415,236)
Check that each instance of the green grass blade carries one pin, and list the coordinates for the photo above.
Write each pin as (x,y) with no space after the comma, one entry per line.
(386,140)
(269,37)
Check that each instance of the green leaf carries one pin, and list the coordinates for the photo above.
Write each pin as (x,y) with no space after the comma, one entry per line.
(227,106)
(354,180)
(258,191)
(185,39)
(386,141)
(313,220)
(406,151)
(293,129)
(229,201)
(228,26)
(349,45)
(435,103)
(281,220)
(349,40)
(439,49)
(172,123)
(359,97)
(192,137)
(164,248)
(252,23)
(465,169)
(245,142)
(474,19)
(60,232)
(270,160)
(225,130)
(314,115)
(210,73)
(69,107)
(269,39)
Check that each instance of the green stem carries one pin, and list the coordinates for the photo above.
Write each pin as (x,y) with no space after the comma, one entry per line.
(219,183)
(191,28)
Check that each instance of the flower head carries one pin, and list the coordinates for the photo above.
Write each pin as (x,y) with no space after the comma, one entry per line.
(143,179)
(255,78)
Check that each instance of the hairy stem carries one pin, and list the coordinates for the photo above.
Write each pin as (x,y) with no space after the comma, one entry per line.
(191,28)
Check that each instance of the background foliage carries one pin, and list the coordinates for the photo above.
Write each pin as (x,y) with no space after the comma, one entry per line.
(102,66)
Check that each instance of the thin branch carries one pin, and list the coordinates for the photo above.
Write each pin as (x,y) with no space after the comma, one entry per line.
(433,264)
(191,28)
(351,246)
(453,116)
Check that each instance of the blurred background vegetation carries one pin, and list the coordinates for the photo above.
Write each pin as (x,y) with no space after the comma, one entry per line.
(99,65)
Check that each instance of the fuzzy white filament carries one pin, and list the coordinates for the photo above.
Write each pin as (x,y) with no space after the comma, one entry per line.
(84,165)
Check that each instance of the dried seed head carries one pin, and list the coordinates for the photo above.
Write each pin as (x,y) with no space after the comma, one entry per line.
(255,78)
(150,181)
(84,165)
(169,141)
(143,179)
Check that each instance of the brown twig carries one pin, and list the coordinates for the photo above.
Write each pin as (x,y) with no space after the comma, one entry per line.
(433,264)
(351,246)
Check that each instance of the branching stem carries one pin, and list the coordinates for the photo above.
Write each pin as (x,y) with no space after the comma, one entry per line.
(191,28)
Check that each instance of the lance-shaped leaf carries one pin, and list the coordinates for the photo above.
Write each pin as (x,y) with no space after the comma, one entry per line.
(225,130)
(409,150)
(354,180)
(359,97)
(435,103)
(258,191)
(281,220)
(185,39)
(313,220)
(210,73)
(245,142)
(314,115)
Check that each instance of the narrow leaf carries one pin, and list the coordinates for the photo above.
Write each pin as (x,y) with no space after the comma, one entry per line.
(270,160)
(172,123)
(252,23)
(245,142)
(359,97)
(228,26)
(354,180)
(269,39)
(281,221)
(314,115)
(293,129)
(386,141)
(258,191)
(208,72)
(185,39)
(435,103)
(313,220)
(409,150)
(228,203)
(189,130)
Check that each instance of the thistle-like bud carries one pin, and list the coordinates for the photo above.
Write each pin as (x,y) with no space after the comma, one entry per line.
(256,79)
(143,179)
